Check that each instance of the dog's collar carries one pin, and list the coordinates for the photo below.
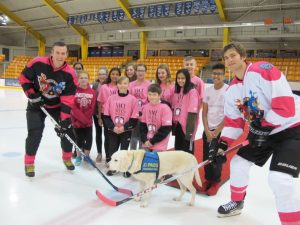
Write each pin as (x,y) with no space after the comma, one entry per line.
(131,162)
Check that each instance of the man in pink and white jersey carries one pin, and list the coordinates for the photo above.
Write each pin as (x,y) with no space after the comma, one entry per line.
(260,94)
(156,121)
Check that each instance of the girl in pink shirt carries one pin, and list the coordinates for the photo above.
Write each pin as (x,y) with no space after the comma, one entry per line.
(163,78)
(156,121)
(130,72)
(106,90)
(120,117)
(185,105)
(82,115)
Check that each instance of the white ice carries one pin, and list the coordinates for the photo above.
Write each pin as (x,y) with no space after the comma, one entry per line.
(58,197)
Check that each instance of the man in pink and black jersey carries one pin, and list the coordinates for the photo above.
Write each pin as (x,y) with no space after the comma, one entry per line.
(261,95)
(48,82)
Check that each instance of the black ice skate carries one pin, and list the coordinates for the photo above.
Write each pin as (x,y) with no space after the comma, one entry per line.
(232,208)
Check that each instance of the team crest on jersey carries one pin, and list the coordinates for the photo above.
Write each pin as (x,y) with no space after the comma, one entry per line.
(249,108)
(49,87)
(266,66)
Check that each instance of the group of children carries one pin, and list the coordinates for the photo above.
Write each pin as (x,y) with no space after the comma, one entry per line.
(135,113)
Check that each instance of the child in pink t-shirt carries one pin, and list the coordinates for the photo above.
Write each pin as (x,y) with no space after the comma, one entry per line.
(120,117)
(190,64)
(82,115)
(106,90)
(163,78)
(156,121)
(185,105)
(139,89)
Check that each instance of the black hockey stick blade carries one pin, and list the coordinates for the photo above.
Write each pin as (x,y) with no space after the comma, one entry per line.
(121,190)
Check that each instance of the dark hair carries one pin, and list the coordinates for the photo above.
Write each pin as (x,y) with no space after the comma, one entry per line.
(166,68)
(60,44)
(237,46)
(78,63)
(219,66)
(154,88)
(108,80)
(188,84)
(141,64)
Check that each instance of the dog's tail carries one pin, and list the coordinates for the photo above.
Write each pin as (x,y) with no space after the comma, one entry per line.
(197,178)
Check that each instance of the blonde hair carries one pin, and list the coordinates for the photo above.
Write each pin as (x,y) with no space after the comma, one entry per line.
(166,68)
(83,72)
(122,78)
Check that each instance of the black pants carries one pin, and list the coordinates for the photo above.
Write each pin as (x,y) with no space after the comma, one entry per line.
(106,141)
(213,170)
(116,141)
(135,141)
(98,130)
(180,142)
(84,138)
(35,127)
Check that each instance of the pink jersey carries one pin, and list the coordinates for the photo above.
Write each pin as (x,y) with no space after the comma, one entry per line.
(200,86)
(215,105)
(182,104)
(84,106)
(140,91)
(121,109)
(156,116)
(105,91)
(167,91)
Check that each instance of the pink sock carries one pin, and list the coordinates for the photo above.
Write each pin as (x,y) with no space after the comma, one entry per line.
(289,218)
(238,193)
(66,155)
(29,159)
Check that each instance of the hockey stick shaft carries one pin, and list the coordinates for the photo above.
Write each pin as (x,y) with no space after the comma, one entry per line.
(122,190)
(154,186)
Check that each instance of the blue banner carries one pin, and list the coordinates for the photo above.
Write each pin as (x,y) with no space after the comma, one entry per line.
(213,6)
(166,10)
(159,11)
(178,8)
(83,19)
(134,13)
(114,15)
(197,6)
(188,8)
(142,11)
(151,11)
(121,15)
(204,6)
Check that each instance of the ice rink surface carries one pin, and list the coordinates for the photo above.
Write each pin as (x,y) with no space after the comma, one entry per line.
(59,197)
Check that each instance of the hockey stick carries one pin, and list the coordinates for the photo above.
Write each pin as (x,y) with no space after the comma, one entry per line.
(112,202)
(122,190)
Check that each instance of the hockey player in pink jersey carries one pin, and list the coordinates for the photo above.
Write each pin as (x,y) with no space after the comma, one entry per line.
(260,94)
(156,121)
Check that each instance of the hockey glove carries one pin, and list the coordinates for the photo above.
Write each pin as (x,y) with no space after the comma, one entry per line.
(258,135)
(216,150)
(35,100)
(64,127)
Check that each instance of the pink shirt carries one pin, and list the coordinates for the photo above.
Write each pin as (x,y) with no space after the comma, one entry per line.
(167,91)
(215,102)
(83,108)
(106,90)
(140,91)
(121,109)
(156,116)
(199,85)
(182,104)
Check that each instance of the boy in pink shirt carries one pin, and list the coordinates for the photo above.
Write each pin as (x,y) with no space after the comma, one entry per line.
(190,64)
(120,117)
(185,105)
(156,121)
(139,89)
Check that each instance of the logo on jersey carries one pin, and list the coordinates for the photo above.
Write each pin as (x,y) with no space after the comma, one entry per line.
(49,87)
(249,108)
(266,66)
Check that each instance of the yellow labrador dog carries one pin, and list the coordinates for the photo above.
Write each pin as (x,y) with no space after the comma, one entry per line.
(171,163)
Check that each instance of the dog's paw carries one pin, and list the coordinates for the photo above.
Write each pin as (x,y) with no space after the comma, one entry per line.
(144,204)
(190,204)
(137,199)
(177,199)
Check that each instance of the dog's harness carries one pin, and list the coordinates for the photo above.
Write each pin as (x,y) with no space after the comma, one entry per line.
(150,164)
